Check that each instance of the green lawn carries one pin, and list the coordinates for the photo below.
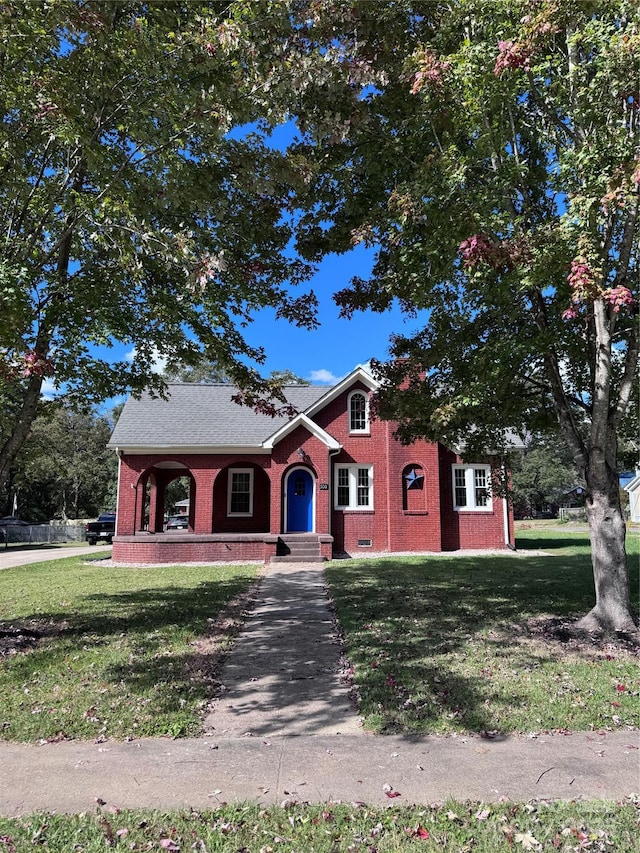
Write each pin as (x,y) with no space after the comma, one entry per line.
(445,644)
(439,644)
(330,828)
(120,652)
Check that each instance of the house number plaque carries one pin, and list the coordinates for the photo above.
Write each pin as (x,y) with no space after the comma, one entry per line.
(324,487)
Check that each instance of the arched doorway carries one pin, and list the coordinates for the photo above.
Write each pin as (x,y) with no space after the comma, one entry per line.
(299,503)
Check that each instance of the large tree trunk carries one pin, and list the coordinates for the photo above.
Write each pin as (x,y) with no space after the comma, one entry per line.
(9,451)
(607,531)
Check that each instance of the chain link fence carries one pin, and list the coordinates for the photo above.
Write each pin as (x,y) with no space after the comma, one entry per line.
(41,533)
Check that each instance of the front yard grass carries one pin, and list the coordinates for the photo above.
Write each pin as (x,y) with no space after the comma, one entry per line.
(474,644)
(111,652)
(329,828)
(438,644)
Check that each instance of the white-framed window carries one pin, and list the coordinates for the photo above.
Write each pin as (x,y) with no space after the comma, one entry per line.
(472,487)
(354,487)
(240,491)
(358,405)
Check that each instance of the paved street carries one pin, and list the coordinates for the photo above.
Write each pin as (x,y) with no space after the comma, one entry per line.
(13,556)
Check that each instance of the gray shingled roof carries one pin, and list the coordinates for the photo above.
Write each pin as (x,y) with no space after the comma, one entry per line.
(202,416)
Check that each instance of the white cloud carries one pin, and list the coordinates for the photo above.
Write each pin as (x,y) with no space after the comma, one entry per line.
(48,389)
(323,377)
(159,361)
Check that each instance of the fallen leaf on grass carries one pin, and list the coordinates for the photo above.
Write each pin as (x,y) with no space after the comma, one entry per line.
(527,841)
(483,814)
(169,844)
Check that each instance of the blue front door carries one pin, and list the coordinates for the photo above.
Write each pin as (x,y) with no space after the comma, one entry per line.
(299,502)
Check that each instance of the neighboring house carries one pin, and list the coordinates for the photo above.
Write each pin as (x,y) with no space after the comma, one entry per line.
(633,490)
(181,507)
(325,482)
(574,497)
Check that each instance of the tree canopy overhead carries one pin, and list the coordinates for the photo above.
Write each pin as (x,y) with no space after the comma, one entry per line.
(491,154)
(129,211)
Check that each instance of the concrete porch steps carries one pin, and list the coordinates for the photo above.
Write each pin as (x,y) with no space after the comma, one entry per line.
(298,548)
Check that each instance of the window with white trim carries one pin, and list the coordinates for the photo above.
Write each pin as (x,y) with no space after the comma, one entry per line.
(472,487)
(358,406)
(240,491)
(354,487)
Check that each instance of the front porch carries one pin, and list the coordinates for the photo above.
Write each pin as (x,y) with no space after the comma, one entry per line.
(146,548)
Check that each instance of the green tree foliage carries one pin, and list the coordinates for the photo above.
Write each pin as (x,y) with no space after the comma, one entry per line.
(491,154)
(128,210)
(64,469)
(204,373)
(287,377)
(177,490)
(208,372)
(542,474)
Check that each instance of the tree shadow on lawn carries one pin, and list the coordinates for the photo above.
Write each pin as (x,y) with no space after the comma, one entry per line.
(553,543)
(138,611)
(150,644)
(425,634)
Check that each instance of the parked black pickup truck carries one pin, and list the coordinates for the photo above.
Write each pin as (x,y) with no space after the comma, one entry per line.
(103,528)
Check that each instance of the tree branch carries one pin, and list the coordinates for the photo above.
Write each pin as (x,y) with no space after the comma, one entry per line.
(629,376)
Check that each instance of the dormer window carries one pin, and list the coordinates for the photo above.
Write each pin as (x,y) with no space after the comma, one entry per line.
(358,412)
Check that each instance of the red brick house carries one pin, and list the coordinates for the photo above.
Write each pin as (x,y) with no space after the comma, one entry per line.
(325,482)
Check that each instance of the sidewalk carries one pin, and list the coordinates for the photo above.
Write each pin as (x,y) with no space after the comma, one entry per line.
(285,729)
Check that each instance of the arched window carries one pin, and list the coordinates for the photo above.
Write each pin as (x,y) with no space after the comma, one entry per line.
(413,491)
(358,412)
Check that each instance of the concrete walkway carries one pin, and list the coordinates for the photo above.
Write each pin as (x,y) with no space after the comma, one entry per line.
(283,676)
(285,729)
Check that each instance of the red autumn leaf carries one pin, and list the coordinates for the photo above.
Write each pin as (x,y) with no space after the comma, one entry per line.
(620,688)
(392,794)
(421,832)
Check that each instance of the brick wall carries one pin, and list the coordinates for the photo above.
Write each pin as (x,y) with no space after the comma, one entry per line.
(468,529)
(176,548)
(391,527)
(420,519)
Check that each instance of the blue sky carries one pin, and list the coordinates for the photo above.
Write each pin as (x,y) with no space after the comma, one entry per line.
(321,356)
(337,345)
